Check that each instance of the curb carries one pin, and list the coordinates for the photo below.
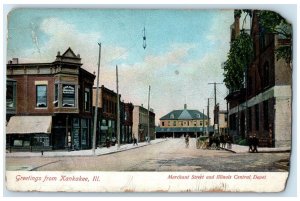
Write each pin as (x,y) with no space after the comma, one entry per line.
(45,156)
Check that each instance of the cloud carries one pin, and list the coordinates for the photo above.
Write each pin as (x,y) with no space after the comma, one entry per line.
(174,78)
(174,75)
(60,35)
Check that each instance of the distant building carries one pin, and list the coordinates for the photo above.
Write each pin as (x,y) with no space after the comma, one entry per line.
(49,105)
(127,123)
(223,122)
(140,123)
(181,122)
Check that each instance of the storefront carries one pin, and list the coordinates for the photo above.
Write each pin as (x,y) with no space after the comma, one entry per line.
(29,133)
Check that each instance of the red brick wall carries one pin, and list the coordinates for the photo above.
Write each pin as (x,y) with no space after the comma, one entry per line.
(26,94)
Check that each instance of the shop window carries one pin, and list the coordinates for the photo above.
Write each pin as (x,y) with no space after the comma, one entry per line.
(41,96)
(75,133)
(84,131)
(18,143)
(68,99)
(87,99)
(41,141)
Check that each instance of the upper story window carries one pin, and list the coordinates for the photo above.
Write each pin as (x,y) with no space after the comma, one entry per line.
(41,96)
(172,116)
(68,95)
(55,95)
(87,99)
(11,95)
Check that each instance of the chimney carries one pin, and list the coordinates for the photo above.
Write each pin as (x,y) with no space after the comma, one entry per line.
(237,15)
(15,61)
(185,106)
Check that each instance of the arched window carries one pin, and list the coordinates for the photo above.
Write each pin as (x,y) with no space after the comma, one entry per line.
(172,116)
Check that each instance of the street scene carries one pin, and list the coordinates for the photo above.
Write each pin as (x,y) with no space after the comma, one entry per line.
(167,155)
(124,90)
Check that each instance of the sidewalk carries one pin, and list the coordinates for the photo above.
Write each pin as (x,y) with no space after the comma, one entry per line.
(89,152)
(245,149)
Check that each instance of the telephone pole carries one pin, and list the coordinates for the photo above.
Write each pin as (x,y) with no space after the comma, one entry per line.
(208,116)
(118,109)
(96,106)
(149,114)
(203,121)
(216,116)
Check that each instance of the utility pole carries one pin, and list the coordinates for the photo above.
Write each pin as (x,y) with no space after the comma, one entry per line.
(203,121)
(149,114)
(118,109)
(96,106)
(208,116)
(215,116)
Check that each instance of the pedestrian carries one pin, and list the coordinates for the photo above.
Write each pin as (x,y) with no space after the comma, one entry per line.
(135,141)
(187,140)
(250,143)
(107,142)
(229,142)
(255,142)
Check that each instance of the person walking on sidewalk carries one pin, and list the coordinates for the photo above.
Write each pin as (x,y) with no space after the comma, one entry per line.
(135,141)
(255,142)
(250,143)
(187,141)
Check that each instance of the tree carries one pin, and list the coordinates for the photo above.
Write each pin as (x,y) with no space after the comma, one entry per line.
(239,57)
(274,23)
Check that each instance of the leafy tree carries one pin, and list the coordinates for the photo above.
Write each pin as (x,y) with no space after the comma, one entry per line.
(239,57)
(274,23)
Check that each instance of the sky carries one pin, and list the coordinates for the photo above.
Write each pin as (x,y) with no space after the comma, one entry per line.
(184,52)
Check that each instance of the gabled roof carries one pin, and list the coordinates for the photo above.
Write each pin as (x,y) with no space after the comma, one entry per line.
(69,57)
(184,115)
(69,53)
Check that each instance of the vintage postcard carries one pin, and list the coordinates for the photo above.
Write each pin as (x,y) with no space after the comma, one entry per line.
(148,100)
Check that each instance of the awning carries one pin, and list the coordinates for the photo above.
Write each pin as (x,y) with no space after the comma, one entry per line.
(29,124)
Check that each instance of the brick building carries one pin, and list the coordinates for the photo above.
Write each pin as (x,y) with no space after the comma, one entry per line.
(107,117)
(54,101)
(107,114)
(263,107)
